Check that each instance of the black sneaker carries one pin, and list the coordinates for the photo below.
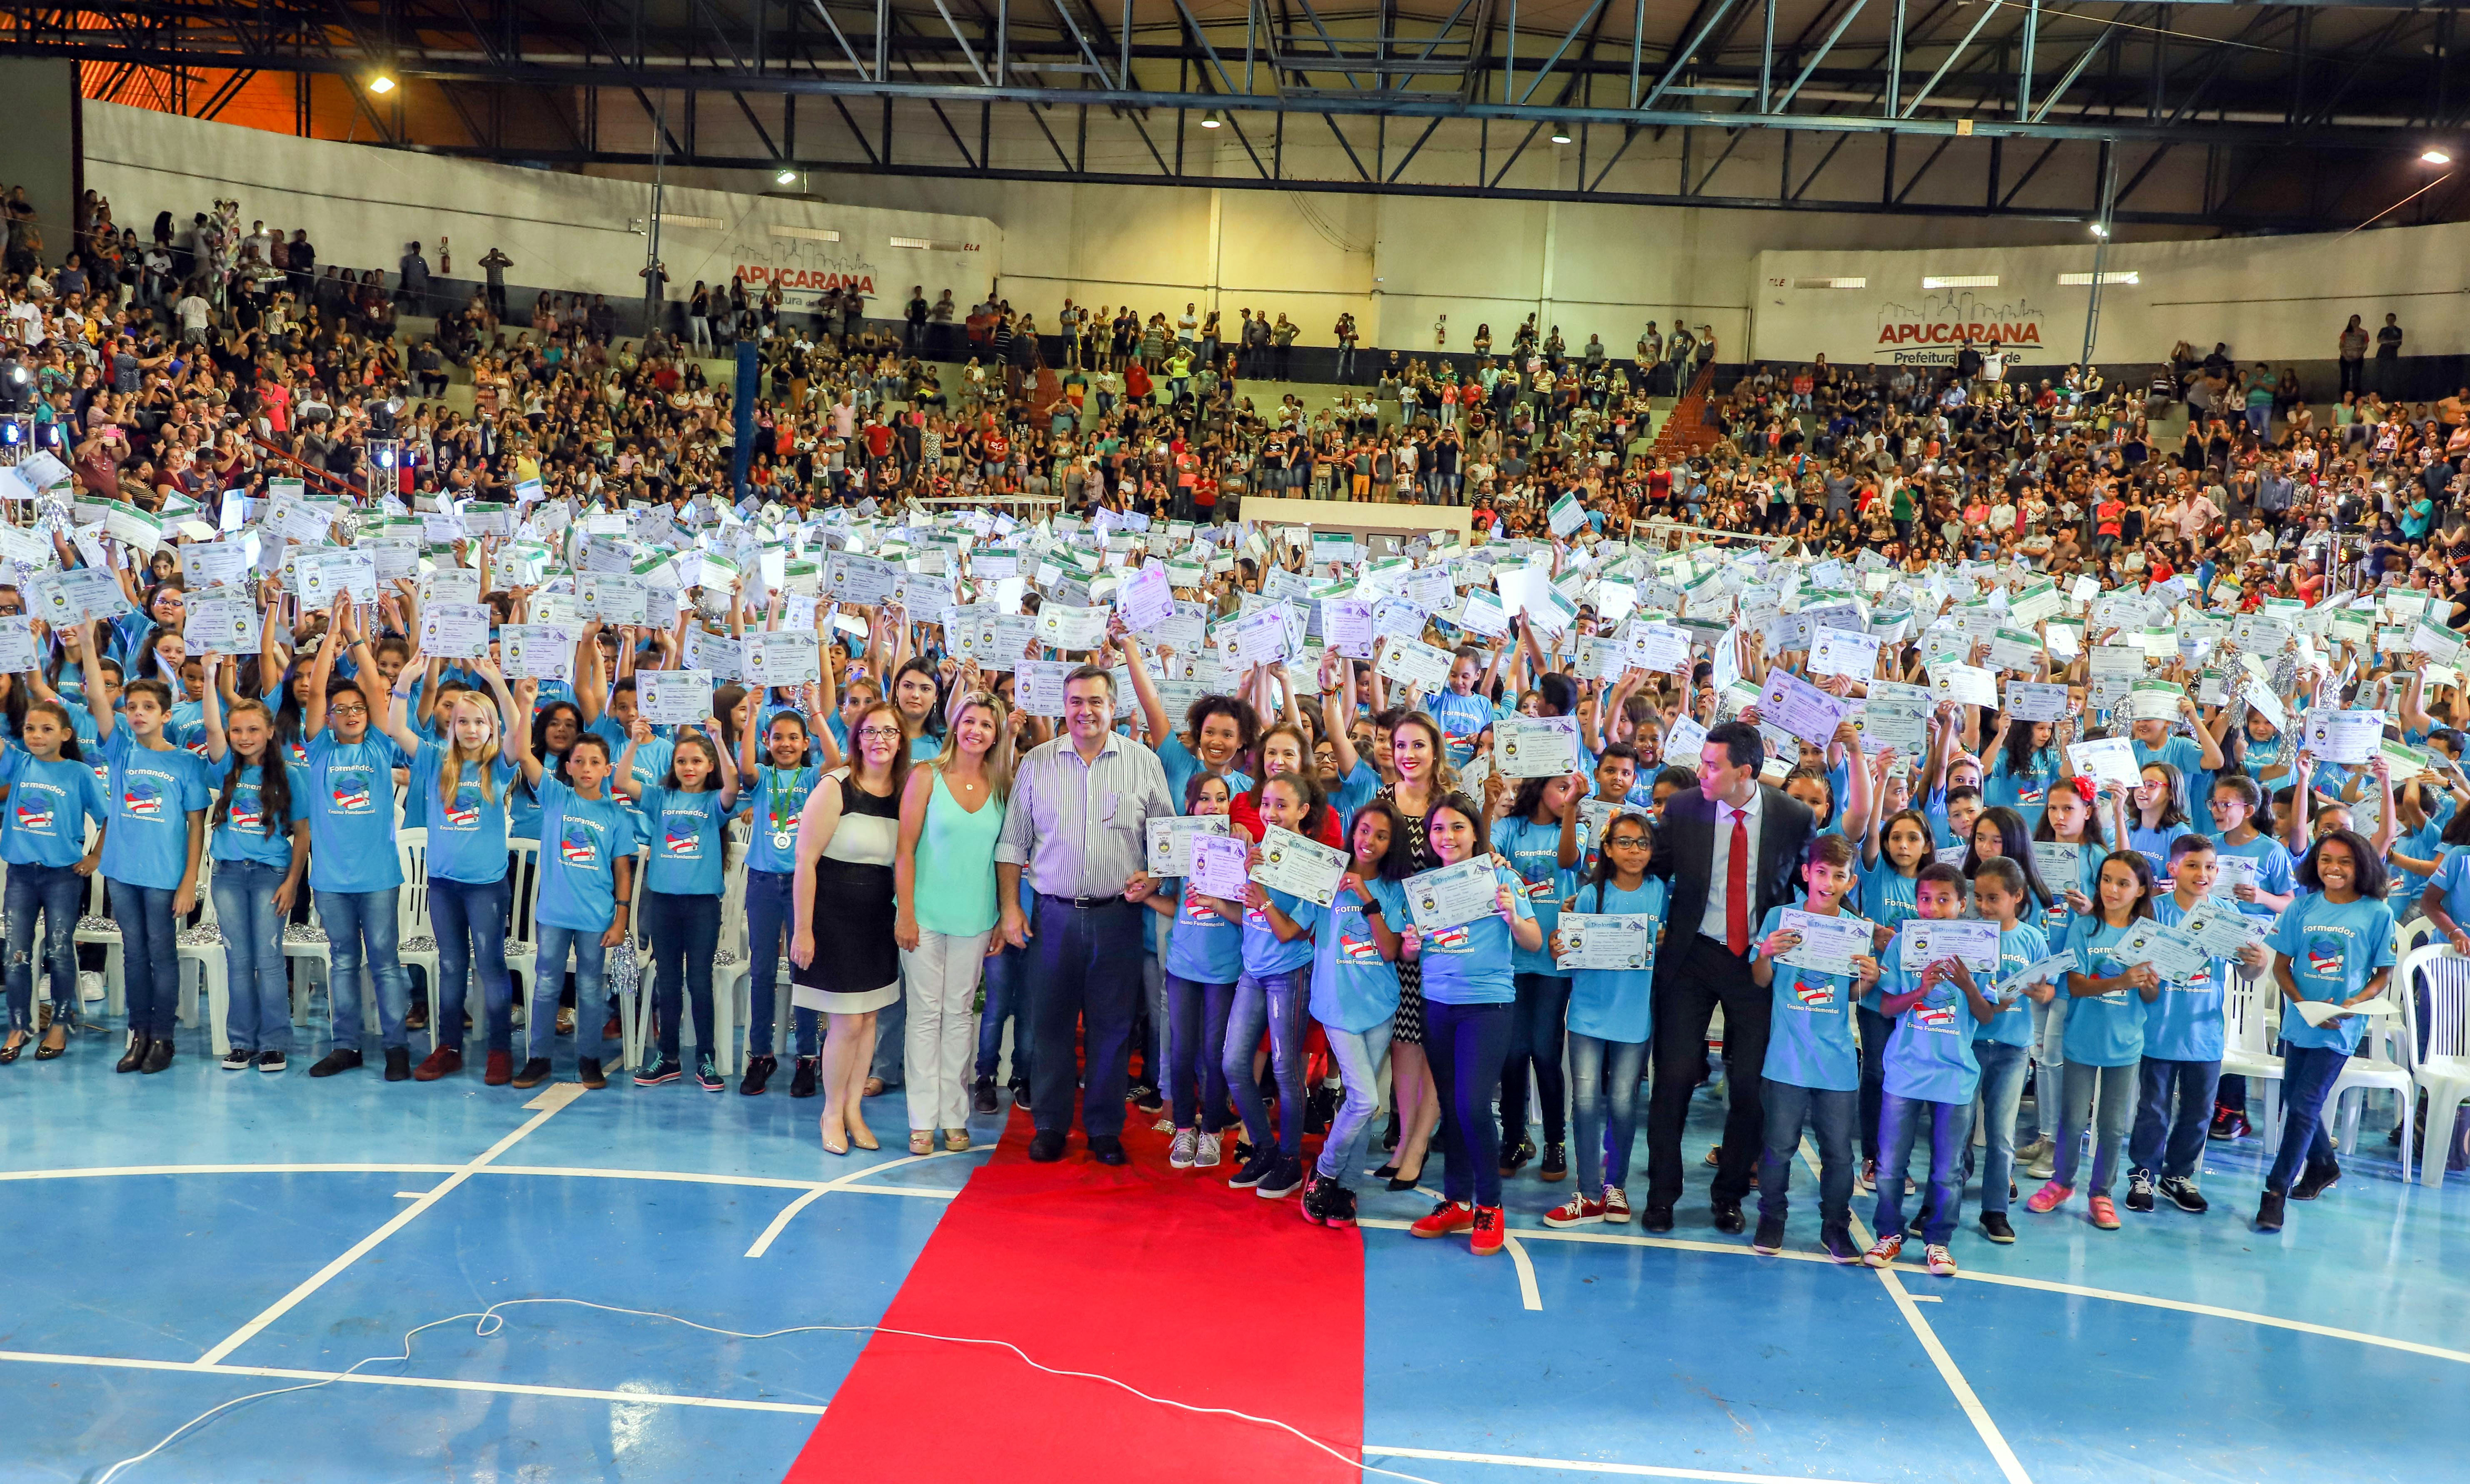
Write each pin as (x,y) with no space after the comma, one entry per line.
(272,1062)
(587,1071)
(2268,1212)
(758,1074)
(1994,1226)
(536,1071)
(398,1063)
(2227,1124)
(982,1093)
(1514,1156)
(2182,1192)
(1284,1179)
(1556,1163)
(1253,1170)
(1019,1091)
(802,1081)
(344,1058)
(2139,1189)
(1317,1198)
(1840,1248)
(237,1059)
(2315,1182)
(708,1075)
(1770,1237)
(664,1070)
(1145,1097)
(1320,1107)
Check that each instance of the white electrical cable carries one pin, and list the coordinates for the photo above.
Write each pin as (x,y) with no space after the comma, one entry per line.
(490,1321)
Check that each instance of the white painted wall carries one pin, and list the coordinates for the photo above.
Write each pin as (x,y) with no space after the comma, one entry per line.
(567,232)
(2274,298)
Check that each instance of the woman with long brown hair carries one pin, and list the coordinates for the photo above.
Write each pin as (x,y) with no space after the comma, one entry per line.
(847,839)
(951,814)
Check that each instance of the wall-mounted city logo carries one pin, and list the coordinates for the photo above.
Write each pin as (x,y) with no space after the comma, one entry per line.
(1930,333)
(804,272)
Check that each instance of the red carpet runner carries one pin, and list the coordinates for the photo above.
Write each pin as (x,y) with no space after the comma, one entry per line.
(1164,1279)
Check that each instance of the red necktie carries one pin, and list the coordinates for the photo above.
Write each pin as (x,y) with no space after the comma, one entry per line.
(1736,889)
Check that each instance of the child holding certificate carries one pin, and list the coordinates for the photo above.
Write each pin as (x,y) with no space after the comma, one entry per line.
(1534,828)
(1274,989)
(1814,1070)
(1931,1076)
(2183,1044)
(1891,857)
(2105,1037)
(1469,994)
(2154,818)
(2003,1048)
(1205,956)
(1610,1015)
(1355,998)
(2336,942)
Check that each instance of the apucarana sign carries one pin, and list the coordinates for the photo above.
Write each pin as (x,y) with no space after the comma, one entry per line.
(1930,332)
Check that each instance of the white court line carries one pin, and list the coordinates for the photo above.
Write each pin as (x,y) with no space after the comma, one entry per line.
(425,1382)
(563,1172)
(789,1213)
(548,1102)
(1586,1466)
(2212,1311)
(1977,1414)
(122,1172)
(1527,1291)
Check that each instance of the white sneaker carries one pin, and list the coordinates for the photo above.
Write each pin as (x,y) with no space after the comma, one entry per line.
(2045,1167)
(1179,1155)
(1206,1154)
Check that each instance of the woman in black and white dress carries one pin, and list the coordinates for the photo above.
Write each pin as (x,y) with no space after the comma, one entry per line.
(847,838)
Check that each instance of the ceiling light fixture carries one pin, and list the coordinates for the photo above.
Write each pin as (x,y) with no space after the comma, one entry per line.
(381,84)
(785,178)
(2436,158)
(1209,120)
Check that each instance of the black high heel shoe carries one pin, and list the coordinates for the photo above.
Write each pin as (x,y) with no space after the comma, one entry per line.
(1397,1183)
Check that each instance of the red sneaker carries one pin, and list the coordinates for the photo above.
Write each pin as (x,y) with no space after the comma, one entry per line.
(1616,1205)
(1576,1211)
(1490,1232)
(444,1061)
(1449,1217)
(501,1069)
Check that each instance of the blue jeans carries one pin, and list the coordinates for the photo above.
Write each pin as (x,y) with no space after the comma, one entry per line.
(1196,1051)
(770,903)
(2167,1142)
(2002,1093)
(59,893)
(1280,1001)
(2105,1098)
(685,933)
(1535,1034)
(1083,976)
(1466,1045)
(261,991)
(1828,1114)
(355,920)
(470,921)
(1900,1121)
(2307,1077)
(1006,983)
(149,962)
(1359,1056)
(1603,1084)
(548,976)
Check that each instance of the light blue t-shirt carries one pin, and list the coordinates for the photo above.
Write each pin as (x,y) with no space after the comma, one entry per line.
(1617,1005)
(466,835)
(152,795)
(2018,947)
(1534,851)
(1203,946)
(351,813)
(2154,844)
(684,832)
(1470,963)
(1353,988)
(2274,868)
(777,800)
(1263,952)
(1464,719)
(242,835)
(2103,1030)
(2333,948)
(651,758)
(2185,1024)
(1810,1031)
(2027,792)
(580,840)
(1929,1053)
(49,805)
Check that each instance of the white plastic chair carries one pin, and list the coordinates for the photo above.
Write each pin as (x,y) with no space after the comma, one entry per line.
(96,928)
(523,916)
(732,966)
(415,942)
(2250,1026)
(2388,1053)
(202,947)
(2443,977)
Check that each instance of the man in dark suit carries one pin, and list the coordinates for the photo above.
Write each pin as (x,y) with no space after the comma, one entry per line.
(1731,850)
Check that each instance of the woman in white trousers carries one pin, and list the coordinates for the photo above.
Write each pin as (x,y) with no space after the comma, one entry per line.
(951,814)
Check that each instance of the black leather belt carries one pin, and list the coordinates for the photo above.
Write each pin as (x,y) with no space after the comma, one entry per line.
(1082,903)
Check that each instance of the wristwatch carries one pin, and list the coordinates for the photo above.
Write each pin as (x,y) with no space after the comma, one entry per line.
(1371,907)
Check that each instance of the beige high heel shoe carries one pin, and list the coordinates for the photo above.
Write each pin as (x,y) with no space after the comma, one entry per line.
(921,1142)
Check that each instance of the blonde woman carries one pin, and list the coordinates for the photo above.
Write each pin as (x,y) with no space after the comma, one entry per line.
(466,783)
(951,814)
(848,837)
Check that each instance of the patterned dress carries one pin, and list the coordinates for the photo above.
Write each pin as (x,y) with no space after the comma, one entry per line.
(1408,1027)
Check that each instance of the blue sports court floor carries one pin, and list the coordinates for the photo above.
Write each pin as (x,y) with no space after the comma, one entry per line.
(183,1240)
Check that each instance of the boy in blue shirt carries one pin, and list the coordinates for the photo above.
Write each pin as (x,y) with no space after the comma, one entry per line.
(1931,1073)
(1813,1067)
(2182,1046)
